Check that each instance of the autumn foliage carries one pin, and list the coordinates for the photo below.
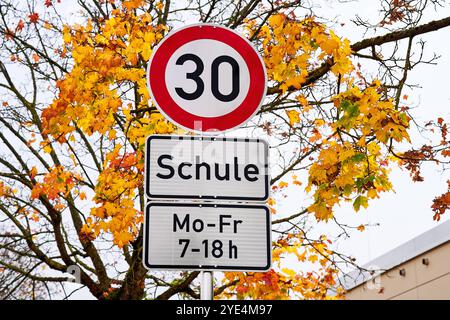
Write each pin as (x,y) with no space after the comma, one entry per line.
(91,134)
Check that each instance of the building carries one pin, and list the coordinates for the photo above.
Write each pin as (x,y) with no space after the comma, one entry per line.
(418,269)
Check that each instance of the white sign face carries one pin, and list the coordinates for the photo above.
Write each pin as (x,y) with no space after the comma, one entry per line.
(209,236)
(207,104)
(187,167)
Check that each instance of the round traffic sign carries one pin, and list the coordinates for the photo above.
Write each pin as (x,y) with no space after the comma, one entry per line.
(206,78)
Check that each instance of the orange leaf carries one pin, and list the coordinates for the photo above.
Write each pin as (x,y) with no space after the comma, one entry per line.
(283,184)
(34,17)
(33,172)
(20,25)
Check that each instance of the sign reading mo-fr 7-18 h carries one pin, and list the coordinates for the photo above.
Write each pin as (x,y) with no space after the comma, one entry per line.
(206,78)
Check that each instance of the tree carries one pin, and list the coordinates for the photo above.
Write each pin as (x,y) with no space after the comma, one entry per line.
(75,113)
(14,282)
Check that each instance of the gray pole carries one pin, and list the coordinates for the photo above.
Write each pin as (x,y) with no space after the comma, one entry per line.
(206,286)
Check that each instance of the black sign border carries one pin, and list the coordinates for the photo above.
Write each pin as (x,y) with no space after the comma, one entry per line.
(207,197)
(150,266)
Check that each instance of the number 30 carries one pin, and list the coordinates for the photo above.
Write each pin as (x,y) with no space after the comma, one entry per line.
(195,76)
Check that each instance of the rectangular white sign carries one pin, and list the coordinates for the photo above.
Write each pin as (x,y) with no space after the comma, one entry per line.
(188,167)
(192,236)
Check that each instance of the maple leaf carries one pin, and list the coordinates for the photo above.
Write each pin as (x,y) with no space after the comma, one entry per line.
(9,34)
(34,17)
(294,117)
(20,25)
(360,201)
(132,4)
(47,149)
(33,172)
(283,184)
(446,152)
(289,272)
(441,204)
(276,20)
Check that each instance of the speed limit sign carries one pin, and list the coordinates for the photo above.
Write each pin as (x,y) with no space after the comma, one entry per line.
(206,78)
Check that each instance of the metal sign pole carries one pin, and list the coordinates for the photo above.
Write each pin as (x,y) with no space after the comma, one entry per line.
(206,281)
(206,286)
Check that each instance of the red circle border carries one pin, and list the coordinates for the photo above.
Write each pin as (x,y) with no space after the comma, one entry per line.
(165,103)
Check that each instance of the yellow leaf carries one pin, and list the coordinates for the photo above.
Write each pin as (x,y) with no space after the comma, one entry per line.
(319,122)
(289,272)
(372,193)
(283,184)
(47,149)
(112,134)
(294,117)
(276,20)
(330,45)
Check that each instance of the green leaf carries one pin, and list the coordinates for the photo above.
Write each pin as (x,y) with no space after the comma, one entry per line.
(345,105)
(360,201)
(353,111)
(358,157)
(403,118)
(348,189)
